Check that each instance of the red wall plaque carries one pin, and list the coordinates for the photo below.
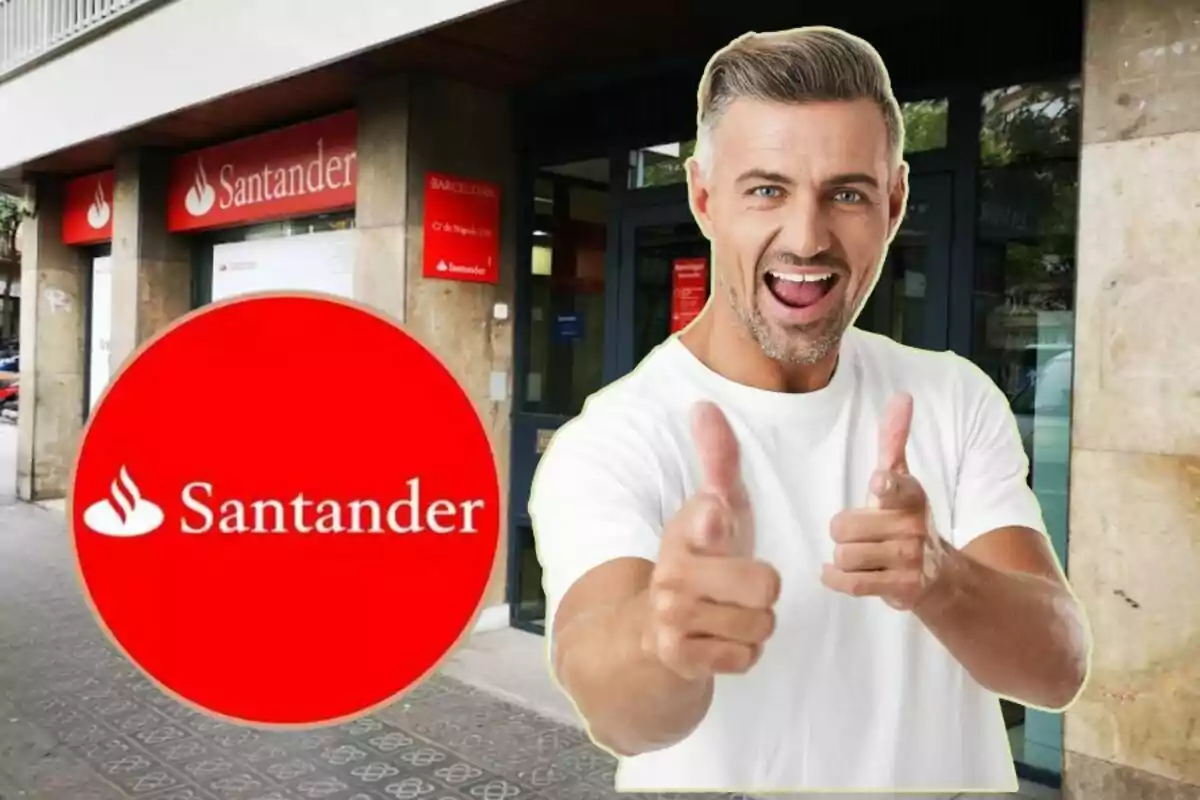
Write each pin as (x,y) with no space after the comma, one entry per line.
(304,169)
(689,290)
(462,229)
(88,209)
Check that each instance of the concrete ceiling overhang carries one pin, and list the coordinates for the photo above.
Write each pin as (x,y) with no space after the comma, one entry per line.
(519,45)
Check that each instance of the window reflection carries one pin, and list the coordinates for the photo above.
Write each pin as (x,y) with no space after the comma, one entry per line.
(566,323)
(1024,308)
(926,124)
(1033,121)
(660,164)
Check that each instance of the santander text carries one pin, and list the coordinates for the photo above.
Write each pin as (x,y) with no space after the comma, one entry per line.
(301,514)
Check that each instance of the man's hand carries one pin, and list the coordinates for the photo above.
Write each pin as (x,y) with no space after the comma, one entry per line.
(710,601)
(891,550)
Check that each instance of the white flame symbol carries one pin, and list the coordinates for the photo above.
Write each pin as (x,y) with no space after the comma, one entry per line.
(125,513)
(200,195)
(99,211)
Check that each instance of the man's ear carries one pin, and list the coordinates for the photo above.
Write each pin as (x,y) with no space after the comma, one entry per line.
(698,195)
(898,200)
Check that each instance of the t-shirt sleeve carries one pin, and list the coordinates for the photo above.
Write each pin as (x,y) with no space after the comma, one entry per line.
(992,490)
(596,497)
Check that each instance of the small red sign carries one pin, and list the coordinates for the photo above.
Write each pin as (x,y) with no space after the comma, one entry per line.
(462,229)
(88,209)
(304,169)
(689,290)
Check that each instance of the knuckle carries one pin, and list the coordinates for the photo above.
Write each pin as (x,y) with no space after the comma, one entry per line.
(670,646)
(734,658)
(667,605)
(669,575)
(765,625)
(840,526)
(842,556)
(766,582)
(915,524)
(909,550)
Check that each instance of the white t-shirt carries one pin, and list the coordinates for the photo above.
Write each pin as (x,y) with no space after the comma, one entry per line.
(849,693)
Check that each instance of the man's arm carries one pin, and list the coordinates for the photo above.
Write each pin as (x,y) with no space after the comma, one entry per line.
(644,611)
(989,588)
(1003,609)
(1001,604)
(631,701)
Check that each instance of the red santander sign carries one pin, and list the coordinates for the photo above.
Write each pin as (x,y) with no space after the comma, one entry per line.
(303,169)
(462,229)
(88,209)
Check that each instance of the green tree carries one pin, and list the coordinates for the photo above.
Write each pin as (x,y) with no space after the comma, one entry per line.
(10,218)
(925,125)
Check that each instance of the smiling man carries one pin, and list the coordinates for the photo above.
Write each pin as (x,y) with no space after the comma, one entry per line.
(785,553)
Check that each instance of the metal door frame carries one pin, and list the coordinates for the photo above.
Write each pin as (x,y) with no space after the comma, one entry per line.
(632,219)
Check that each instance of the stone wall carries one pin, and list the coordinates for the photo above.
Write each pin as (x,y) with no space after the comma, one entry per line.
(1135,485)
(52,358)
(410,126)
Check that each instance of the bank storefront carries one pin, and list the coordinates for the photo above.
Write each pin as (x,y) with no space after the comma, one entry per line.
(984,263)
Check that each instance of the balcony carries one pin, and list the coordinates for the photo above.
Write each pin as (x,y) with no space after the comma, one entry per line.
(33,31)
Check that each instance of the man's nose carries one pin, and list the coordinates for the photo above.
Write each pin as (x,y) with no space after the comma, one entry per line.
(806,230)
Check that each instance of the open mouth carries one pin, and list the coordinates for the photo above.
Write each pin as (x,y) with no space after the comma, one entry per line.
(801,290)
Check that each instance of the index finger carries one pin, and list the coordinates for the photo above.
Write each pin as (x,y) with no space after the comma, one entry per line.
(716,444)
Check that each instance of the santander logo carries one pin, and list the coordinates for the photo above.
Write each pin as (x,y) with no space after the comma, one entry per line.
(125,513)
(201,197)
(240,184)
(100,211)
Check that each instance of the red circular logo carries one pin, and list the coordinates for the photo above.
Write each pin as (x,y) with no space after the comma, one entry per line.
(285,510)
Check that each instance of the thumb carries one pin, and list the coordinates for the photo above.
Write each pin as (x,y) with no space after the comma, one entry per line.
(893,434)
(716,444)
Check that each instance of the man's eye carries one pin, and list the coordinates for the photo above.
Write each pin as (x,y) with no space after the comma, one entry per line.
(848,196)
(767,192)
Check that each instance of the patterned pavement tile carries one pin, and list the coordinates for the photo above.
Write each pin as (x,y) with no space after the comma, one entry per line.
(78,722)
(496,789)
(180,793)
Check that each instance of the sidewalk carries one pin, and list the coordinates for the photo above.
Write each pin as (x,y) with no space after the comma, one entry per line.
(77,723)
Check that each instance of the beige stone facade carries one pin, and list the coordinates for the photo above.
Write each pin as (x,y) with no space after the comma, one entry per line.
(1135,466)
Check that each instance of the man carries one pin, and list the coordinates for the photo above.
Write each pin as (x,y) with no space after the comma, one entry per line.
(784,553)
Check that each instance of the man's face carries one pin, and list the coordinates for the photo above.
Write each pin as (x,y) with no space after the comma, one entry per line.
(800,203)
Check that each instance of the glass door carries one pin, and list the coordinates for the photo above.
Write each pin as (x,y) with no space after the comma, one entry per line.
(911,301)
(561,345)
(656,241)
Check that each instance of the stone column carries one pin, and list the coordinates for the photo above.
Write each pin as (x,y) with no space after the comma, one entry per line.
(462,130)
(381,211)
(53,307)
(152,269)
(1135,482)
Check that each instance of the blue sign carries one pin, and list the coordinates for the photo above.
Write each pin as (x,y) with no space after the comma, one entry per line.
(568,327)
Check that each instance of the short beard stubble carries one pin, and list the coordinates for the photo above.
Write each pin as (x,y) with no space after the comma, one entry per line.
(801,345)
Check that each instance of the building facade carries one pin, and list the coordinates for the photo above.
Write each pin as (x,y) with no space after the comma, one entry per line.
(1049,235)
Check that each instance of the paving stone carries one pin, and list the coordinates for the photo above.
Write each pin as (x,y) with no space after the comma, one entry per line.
(78,722)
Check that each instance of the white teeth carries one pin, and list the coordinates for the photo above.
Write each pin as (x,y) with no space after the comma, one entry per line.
(804,278)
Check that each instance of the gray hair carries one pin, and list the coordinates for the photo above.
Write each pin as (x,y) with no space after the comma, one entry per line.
(802,65)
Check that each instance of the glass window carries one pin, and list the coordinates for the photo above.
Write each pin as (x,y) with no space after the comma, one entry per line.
(926,124)
(1024,313)
(1035,121)
(660,165)
(566,310)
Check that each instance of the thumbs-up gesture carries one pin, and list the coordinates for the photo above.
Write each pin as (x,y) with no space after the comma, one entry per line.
(889,550)
(710,601)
